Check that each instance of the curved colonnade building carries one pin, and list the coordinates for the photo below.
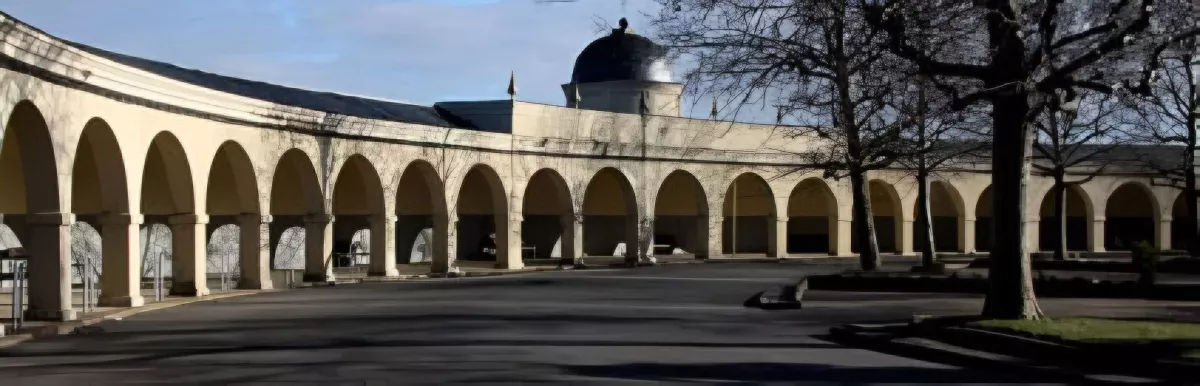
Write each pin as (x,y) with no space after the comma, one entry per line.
(121,142)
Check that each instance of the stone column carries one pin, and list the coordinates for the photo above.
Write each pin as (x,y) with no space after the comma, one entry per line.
(254,254)
(189,263)
(508,243)
(444,244)
(634,249)
(318,248)
(777,237)
(1032,232)
(121,281)
(1096,235)
(49,249)
(383,246)
(645,245)
(571,246)
(904,237)
(966,235)
(714,229)
(1162,234)
(839,237)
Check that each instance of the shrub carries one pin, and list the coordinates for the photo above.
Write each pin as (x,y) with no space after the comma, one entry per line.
(1145,261)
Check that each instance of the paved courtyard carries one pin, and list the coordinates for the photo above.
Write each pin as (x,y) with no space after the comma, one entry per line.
(667,323)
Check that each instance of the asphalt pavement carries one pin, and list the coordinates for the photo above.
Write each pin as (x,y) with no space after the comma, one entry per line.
(678,323)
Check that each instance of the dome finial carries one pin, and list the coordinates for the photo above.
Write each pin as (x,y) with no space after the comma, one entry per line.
(624,24)
(512,86)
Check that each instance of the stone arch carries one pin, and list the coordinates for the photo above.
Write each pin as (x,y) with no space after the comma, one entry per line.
(296,193)
(888,212)
(28,165)
(548,215)
(167,178)
(295,189)
(420,212)
(98,178)
(681,218)
(1131,215)
(983,220)
(610,214)
(100,196)
(232,185)
(1079,215)
(357,204)
(168,197)
(749,211)
(946,207)
(483,226)
(812,218)
(232,197)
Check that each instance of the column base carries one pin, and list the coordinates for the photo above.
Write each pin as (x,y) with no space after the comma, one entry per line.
(265,284)
(393,272)
(188,289)
(122,301)
(316,277)
(52,315)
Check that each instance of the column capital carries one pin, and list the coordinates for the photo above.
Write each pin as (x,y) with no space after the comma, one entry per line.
(256,218)
(1098,219)
(121,219)
(322,218)
(1166,219)
(187,218)
(50,218)
(781,218)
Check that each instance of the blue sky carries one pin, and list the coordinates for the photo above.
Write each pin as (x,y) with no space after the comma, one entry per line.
(416,51)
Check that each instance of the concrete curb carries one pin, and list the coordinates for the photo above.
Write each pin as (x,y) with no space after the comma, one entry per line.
(28,333)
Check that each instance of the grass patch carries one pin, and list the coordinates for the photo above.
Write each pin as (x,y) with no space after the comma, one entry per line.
(1160,338)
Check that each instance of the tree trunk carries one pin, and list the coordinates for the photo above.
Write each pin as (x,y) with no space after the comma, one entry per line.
(864,223)
(924,221)
(1010,295)
(1192,223)
(1060,214)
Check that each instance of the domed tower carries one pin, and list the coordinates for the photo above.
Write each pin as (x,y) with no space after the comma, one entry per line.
(615,72)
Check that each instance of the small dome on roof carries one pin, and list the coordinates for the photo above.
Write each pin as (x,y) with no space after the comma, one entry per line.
(622,55)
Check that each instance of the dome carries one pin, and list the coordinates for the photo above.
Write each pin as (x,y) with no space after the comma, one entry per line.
(622,55)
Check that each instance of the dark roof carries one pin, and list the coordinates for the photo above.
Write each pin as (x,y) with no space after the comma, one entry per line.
(307,99)
(622,55)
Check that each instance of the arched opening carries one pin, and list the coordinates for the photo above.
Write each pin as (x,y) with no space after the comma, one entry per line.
(749,215)
(812,218)
(357,195)
(610,215)
(681,216)
(1077,221)
(223,256)
(945,207)
(289,250)
(87,256)
(1130,217)
(547,212)
(167,198)
(29,174)
(1179,219)
(482,217)
(232,200)
(983,221)
(885,208)
(295,194)
(420,207)
(99,195)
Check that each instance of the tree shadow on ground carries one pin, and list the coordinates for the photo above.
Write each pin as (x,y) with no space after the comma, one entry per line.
(785,372)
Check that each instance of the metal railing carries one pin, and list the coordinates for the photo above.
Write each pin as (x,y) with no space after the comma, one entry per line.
(20,264)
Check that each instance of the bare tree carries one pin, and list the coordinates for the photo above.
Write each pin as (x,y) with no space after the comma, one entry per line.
(1168,116)
(936,136)
(1022,58)
(818,61)
(1068,139)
